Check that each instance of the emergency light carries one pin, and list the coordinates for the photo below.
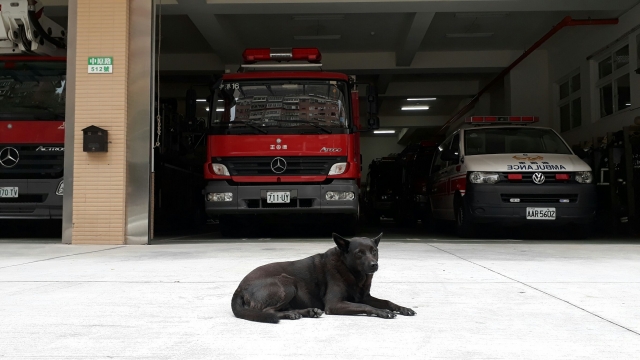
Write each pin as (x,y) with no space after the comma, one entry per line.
(251,56)
(502,119)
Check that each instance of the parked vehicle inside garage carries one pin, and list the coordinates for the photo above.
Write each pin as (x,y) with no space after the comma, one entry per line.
(32,111)
(505,172)
(285,142)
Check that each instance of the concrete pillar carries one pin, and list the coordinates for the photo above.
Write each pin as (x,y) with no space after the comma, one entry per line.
(101,200)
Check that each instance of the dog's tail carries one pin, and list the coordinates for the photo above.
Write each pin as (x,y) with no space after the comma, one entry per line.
(242,312)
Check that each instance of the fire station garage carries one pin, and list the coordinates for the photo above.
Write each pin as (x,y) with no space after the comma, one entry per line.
(423,118)
(493,146)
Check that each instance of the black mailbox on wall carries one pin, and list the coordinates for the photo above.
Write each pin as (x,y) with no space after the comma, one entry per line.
(95,139)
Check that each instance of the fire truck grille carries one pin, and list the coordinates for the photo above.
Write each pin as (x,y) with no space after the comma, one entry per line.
(295,166)
(539,198)
(33,164)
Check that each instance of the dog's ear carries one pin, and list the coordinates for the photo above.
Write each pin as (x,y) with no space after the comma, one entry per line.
(376,239)
(343,244)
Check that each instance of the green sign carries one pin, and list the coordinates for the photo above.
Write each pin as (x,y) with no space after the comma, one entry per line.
(101,65)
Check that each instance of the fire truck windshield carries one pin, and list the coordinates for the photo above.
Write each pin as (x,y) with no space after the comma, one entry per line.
(283,106)
(32,90)
(513,140)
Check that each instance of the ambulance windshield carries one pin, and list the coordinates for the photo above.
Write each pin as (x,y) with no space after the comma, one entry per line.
(516,140)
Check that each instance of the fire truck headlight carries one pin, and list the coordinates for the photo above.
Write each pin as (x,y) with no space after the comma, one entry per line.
(338,168)
(220,169)
(478,177)
(220,197)
(584,177)
(60,189)
(340,195)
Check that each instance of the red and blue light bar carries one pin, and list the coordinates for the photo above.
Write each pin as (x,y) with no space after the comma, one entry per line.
(311,55)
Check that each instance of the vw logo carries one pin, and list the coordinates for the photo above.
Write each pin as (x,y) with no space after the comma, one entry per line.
(9,157)
(278,165)
(538,178)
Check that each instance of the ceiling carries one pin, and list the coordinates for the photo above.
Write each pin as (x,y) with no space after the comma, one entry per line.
(401,46)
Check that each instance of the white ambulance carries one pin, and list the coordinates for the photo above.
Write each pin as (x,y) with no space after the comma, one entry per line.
(503,171)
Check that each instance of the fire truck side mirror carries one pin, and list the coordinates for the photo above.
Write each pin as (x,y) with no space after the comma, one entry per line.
(372,99)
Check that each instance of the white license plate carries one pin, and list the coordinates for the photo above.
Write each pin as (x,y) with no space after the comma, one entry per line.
(541,213)
(278,197)
(8,192)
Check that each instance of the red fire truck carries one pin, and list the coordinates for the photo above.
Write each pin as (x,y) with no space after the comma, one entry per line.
(32,109)
(285,142)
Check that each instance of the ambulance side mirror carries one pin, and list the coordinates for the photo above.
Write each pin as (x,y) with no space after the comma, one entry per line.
(450,155)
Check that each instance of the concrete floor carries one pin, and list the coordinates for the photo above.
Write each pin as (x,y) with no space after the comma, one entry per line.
(487,299)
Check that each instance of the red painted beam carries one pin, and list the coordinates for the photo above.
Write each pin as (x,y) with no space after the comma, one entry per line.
(567,21)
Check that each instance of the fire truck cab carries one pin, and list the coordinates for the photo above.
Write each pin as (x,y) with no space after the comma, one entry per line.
(502,171)
(285,141)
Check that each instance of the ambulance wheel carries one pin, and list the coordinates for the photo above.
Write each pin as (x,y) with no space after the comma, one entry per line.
(464,227)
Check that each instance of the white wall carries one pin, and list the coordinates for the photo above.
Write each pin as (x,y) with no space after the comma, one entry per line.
(372,147)
(568,50)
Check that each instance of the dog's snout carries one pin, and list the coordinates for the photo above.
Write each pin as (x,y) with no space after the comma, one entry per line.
(374,266)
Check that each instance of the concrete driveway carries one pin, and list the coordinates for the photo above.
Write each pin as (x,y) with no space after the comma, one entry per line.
(475,300)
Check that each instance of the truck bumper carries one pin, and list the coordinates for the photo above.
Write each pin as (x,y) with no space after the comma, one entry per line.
(305,199)
(491,203)
(36,199)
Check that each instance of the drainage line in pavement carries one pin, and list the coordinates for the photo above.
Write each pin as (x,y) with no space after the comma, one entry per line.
(534,288)
(58,257)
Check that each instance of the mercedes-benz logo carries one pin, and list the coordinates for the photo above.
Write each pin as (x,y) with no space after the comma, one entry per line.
(278,165)
(538,178)
(9,157)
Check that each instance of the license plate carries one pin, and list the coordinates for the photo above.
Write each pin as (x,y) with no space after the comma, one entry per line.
(278,197)
(8,192)
(541,213)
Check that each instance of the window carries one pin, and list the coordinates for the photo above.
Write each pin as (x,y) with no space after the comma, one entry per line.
(570,103)
(614,90)
(516,140)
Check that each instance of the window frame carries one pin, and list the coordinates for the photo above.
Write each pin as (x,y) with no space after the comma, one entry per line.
(568,100)
(611,79)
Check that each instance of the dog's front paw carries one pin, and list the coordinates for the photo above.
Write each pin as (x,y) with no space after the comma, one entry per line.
(405,311)
(385,314)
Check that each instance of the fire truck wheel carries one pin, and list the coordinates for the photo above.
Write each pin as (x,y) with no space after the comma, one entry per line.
(464,227)
(350,226)
(228,227)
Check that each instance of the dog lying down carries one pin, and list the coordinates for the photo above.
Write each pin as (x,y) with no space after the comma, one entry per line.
(337,282)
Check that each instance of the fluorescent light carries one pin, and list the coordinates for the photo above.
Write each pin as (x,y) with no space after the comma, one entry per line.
(415,108)
(201,100)
(628,104)
(317,37)
(482,15)
(384,131)
(469,35)
(317,17)
(421,99)
(220,109)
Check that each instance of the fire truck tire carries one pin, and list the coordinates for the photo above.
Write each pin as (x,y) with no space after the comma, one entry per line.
(350,227)
(228,227)
(464,226)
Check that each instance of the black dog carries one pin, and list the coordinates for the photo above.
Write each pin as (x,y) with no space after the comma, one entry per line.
(337,281)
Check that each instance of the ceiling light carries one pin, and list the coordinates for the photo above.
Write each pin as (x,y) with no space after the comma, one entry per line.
(628,104)
(384,131)
(415,108)
(469,35)
(421,99)
(317,37)
(201,100)
(217,109)
(317,17)
(482,15)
